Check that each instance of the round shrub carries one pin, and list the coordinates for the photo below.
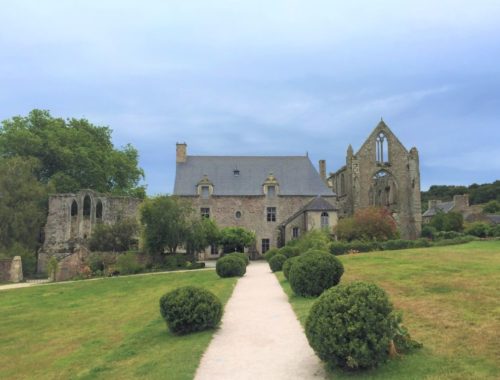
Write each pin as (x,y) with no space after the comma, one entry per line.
(242,255)
(289,251)
(269,254)
(230,266)
(287,265)
(189,308)
(314,272)
(276,262)
(350,326)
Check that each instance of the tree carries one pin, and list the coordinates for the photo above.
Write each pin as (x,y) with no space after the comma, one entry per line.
(491,207)
(201,234)
(235,239)
(371,223)
(73,154)
(452,221)
(23,207)
(117,237)
(166,221)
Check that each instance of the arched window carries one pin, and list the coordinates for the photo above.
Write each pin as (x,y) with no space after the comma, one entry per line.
(87,206)
(382,148)
(98,210)
(325,222)
(74,208)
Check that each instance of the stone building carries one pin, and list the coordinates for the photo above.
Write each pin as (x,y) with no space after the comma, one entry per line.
(381,173)
(460,204)
(276,197)
(72,218)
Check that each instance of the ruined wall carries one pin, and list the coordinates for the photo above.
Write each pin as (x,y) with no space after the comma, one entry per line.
(11,269)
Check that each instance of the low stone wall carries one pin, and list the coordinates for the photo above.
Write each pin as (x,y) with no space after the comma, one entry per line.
(11,269)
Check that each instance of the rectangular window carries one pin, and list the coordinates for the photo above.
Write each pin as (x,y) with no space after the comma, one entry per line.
(204,192)
(214,250)
(205,212)
(271,214)
(295,232)
(271,191)
(265,245)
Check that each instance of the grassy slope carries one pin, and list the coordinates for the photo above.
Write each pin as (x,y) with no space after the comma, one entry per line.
(450,297)
(109,328)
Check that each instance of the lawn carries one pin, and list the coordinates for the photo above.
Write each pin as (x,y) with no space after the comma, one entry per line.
(109,328)
(450,298)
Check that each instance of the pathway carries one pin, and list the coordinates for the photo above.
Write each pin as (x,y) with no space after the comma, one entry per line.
(260,337)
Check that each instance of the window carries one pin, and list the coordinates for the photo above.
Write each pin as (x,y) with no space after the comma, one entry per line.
(265,245)
(237,214)
(295,232)
(74,208)
(98,210)
(204,192)
(87,205)
(271,191)
(382,149)
(236,172)
(271,214)
(325,223)
(205,212)
(214,249)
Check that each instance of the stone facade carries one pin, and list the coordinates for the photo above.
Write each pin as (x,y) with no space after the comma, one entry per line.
(381,173)
(11,270)
(72,218)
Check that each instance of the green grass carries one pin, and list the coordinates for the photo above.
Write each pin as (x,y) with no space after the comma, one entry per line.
(450,298)
(108,328)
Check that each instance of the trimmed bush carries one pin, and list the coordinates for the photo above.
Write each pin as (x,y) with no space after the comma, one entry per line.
(339,248)
(288,264)
(363,246)
(448,235)
(397,244)
(314,272)
(230,266)
(478,229)
(126,263)
(269,254)
(276,262)
(241,255)
(421,243)
(190,309)
(289,251)
(428,231)
(350,326)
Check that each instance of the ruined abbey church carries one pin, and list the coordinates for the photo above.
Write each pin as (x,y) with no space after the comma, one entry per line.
(277,197)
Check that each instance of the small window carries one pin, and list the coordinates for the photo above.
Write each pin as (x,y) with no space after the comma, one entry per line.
(325,223)
(271,191)
(295,232)
(74,208)
(205,212)
(236,172)
(214,249)
(265,245)
(237,214)
(87,205)
(204,192)
(271,214)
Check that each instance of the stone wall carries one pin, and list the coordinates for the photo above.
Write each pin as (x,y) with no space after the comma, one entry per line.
(11,270)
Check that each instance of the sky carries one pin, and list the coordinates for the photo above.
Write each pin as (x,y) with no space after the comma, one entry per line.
(264,77)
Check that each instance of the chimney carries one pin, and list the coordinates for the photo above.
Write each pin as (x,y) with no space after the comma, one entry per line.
(461,202)
(433,203)
(181,150)
(322,169)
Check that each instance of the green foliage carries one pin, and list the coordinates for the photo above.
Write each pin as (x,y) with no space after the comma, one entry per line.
(492,207)
(397,244)
(315,239)
(28,258)
(287,265)
(230,266)
(271,253)
(73,154)
(477,193)
(189,309)
(313,273)
(52,268)
(403,342)
(241,255)
(339,247)
(447,235)
(451,221)
(276,262)
(98,262)
(166,223)
(126,263)
(350,326)
(428,231)
(479,229)
(363,246)
(371,223)
(289,251)
(454,241)
(201,234)
(117,237)
(235,239)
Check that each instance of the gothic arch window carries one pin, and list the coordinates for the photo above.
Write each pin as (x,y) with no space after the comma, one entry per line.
(325,222)
(74,208)
(87,205)
(382,148)
(384,190)
(98,210)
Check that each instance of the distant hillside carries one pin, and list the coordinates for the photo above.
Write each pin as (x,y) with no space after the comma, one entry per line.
(477,193)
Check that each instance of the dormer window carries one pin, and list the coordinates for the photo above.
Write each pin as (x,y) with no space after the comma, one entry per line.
(236,172)
(205,187)
(271,191)
(205,192)
(270,187)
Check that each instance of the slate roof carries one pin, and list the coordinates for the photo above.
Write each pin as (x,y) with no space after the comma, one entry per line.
(494,218)
(295,174)
(317,204)
(443,206)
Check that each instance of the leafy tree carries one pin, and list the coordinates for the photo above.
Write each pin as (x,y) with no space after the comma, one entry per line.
(166,221)
(202,233)
(235,239)
(117,237)
(371,223)
(73,154)
(452,221)
(491,207)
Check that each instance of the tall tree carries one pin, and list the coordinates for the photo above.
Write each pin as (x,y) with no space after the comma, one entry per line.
(73,154)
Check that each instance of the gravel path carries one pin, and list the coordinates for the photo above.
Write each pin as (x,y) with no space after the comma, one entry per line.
(260,337)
